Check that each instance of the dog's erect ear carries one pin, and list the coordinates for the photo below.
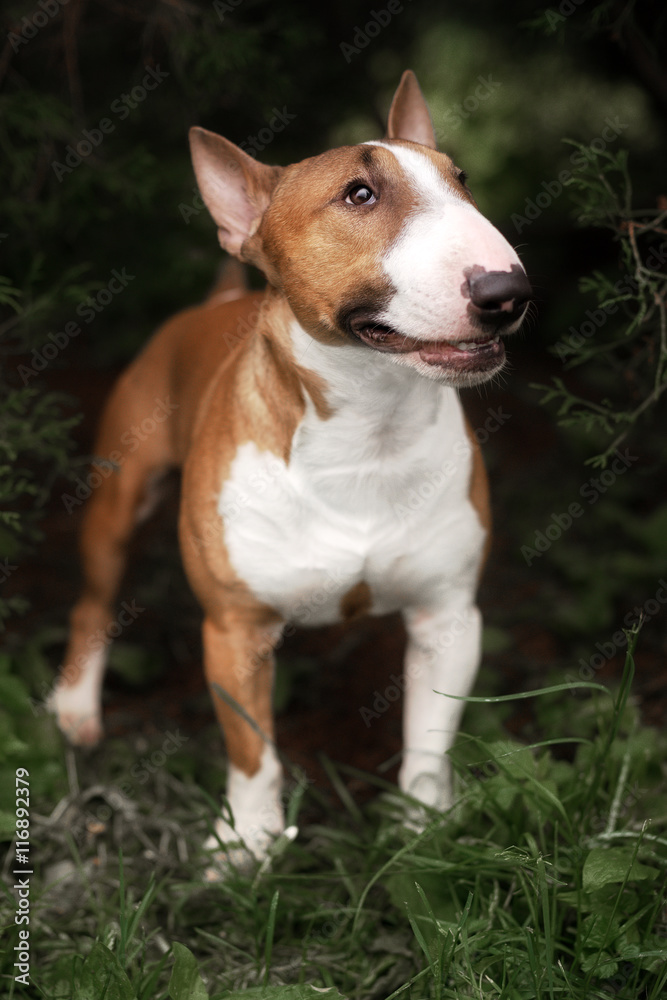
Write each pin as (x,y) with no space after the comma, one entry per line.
(408,115)
(235,188)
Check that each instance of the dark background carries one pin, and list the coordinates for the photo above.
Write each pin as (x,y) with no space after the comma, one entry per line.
(505,87)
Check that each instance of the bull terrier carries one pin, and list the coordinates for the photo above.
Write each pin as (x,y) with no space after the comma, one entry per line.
(303,418)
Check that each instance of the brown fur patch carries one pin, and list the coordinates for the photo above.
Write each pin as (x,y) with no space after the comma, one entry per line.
(356,602)
(235,662)
(258,394)
(479,492)
(323,247)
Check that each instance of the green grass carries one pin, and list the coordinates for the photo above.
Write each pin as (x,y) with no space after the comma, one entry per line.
(546,880)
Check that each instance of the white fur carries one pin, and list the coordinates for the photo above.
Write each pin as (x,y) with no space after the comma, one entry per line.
(257,813)
(443,651)
(377,492)
(302,534)
(78,706)
(426,263)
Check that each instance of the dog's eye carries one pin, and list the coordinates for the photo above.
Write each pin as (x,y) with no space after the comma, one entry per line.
(360,194)
(463,177)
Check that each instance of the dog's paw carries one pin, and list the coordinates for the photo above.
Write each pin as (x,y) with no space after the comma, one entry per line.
(229,852)
(407,820)
(80,724)
(227,860)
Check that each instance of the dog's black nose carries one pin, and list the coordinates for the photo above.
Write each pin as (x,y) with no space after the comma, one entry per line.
(499,296)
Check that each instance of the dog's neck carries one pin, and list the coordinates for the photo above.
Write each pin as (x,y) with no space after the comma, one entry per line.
(370,427)
(352,377)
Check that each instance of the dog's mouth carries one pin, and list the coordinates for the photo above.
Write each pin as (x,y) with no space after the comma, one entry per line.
(478,353)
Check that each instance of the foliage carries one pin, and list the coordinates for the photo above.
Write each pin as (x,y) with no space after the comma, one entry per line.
(28,738)
(627,353)
(546,879)
(34,449)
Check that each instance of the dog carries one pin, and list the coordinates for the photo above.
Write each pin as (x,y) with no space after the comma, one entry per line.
(305,419)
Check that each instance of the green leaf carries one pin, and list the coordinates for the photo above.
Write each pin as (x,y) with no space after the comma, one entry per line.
(601,964)
(102,977)
(185,982)
(514,758)
(613,864)
(598,929)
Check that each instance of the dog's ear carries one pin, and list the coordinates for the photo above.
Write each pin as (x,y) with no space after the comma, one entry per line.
(408,115)
(235,188)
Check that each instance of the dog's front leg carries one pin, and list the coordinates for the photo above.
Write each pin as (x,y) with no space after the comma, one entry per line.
(442,655)
(238,661)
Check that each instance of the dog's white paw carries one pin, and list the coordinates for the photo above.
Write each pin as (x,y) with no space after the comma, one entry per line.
(229,850)
(80,723)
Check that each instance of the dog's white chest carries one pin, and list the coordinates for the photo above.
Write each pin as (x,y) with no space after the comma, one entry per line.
(362,498)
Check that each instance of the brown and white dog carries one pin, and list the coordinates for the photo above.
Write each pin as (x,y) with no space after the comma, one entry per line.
(304,417)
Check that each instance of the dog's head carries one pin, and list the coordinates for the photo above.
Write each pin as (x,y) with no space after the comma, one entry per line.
(378,244)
